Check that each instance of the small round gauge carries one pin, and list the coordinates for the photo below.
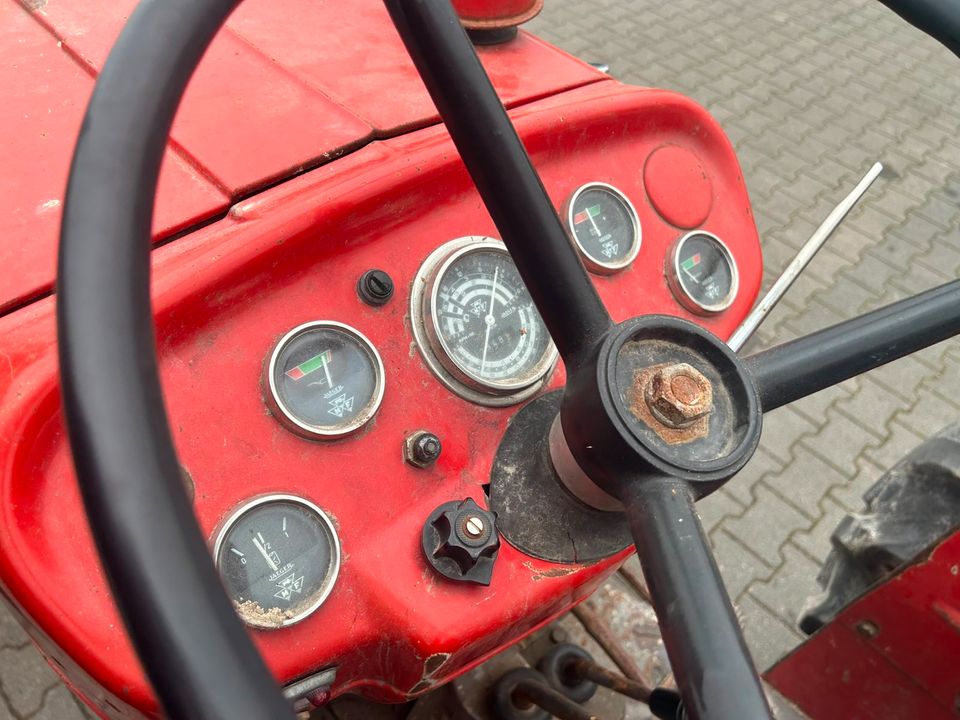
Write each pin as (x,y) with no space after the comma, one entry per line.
(278,557)
(325,380)
(702,273)
(605,227)
(481,323)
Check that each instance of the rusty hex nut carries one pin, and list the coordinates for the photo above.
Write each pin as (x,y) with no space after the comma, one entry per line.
(679,395)
(421,449)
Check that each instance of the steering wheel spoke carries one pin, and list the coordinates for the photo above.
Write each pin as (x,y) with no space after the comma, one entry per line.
(827,357)
(697,621)
(506,179)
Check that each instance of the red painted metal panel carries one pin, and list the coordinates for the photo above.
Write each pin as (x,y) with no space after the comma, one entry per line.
(44,96)
(913,640)
(244,120)
(382,86)
(836,676)
(223,296)
(300,84)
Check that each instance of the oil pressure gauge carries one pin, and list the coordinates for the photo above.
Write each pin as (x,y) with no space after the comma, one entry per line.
(702,273)
(604,226)
(278,557)
(324,380)
(476,323)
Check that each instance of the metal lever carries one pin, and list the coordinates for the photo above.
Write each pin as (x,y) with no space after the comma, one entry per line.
(759,313)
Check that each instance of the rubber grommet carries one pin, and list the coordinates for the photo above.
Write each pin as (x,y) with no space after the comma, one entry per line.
(553,666)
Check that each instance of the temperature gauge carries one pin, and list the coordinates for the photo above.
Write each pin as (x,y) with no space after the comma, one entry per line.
(604,226)
(702,273)
(325,380)
(278,557)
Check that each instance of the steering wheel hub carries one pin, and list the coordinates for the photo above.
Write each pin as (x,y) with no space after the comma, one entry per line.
(663,397)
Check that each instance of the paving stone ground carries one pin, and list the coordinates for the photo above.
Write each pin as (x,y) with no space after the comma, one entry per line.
(811,93)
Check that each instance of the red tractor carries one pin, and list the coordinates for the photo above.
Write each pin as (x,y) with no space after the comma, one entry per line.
(438,325)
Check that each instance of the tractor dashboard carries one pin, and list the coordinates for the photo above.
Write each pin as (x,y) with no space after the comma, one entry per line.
(324,412)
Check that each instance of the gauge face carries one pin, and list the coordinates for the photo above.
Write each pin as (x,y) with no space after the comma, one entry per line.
(482,321)
(702,273)
(605,227)
(326,379)
(278,557)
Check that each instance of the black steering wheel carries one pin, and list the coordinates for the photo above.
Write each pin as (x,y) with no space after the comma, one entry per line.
(195,651)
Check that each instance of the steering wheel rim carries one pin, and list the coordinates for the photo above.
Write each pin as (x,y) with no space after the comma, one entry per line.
(132,489)
(122,448)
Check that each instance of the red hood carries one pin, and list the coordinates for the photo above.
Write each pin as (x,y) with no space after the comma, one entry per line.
(285,86)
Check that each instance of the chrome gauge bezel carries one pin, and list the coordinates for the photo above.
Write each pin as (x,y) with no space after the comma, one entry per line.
(432,347)
(593,264)
(676,284)
(323,432)
(325,522)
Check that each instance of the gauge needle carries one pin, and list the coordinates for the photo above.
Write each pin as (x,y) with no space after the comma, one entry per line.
(594,223)
(263,551)
(489,319)
(692,276)
(326,370)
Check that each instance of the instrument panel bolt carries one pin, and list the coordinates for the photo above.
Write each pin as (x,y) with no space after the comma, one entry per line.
(868,629)
(679,395)
(421,449)
(375,287)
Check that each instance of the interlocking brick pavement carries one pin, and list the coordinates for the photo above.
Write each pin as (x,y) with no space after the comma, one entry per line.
(810,93)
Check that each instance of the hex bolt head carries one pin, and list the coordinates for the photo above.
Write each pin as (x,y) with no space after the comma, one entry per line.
(679,395)
(421,448)
(375,287)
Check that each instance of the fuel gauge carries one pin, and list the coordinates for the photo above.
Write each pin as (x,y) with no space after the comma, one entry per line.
(325,380)
(278,557)
(702,273)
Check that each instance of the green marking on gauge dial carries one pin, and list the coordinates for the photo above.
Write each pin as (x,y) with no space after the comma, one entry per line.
(585,215)
(691,262)
(308,366)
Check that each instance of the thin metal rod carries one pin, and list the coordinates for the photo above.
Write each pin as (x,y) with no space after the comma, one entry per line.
(699,627)
(605,637)
(504,176)
(637,583)
(810,248)
(589,670)
(817,361)
(544,696)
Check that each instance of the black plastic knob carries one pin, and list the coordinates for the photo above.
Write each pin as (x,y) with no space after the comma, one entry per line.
(460,541)
(375,287)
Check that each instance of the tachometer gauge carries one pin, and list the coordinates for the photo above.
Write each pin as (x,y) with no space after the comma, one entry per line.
(324,380)
(477,325)
(279,557)
(604,226)
(702,273)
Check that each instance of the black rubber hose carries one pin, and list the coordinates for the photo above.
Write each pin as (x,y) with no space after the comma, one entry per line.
(940,19)
(196,652)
